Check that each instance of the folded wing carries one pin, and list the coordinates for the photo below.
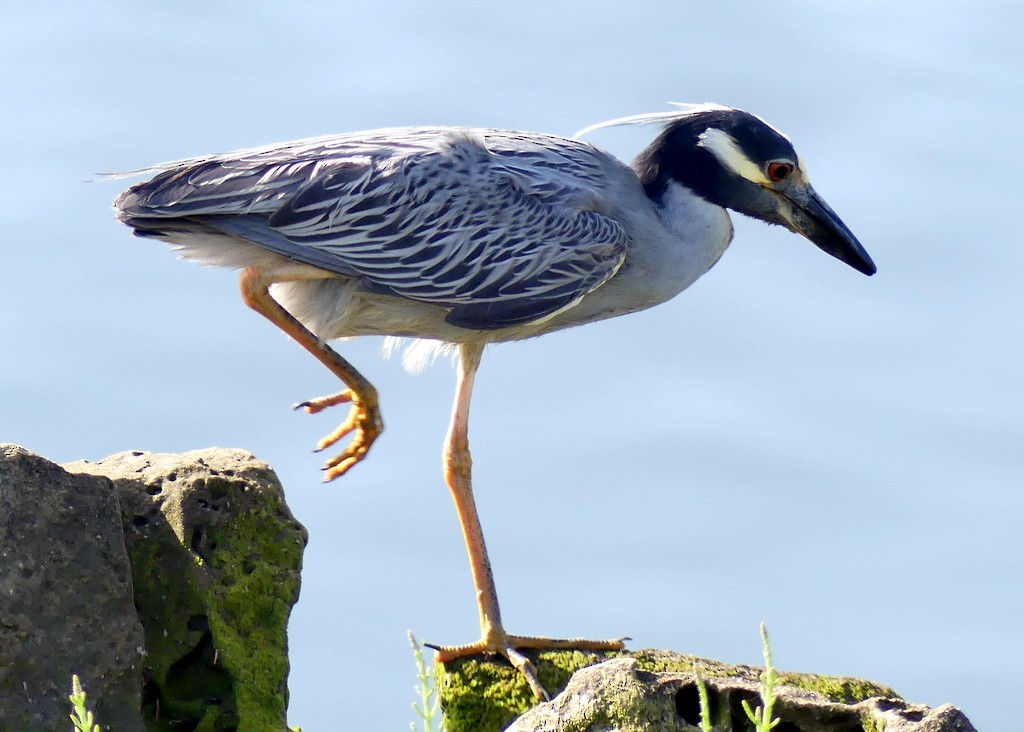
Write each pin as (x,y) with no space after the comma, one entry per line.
(498,229)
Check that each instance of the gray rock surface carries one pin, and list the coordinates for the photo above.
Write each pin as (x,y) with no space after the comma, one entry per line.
(618,696)
(66,597)
(164,582)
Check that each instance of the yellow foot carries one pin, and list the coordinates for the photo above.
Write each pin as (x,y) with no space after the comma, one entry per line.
(364,421)
(506,645)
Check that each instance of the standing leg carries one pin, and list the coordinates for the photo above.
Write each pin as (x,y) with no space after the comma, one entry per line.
(458,474)
(364,417)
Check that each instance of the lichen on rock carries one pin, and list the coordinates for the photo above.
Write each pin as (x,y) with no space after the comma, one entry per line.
(216,557)
(656,691)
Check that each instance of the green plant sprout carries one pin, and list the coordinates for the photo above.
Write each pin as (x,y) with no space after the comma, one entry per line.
(82,717)
(705,705)
(762,716)
(429,705)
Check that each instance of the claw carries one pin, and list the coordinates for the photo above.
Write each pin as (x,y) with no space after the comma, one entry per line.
(336,471)
(319,404)
(364,422)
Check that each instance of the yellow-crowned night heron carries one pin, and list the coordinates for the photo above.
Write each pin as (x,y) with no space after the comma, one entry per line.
(475,236)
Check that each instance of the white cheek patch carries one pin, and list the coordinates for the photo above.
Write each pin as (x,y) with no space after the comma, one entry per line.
(801,167)
(724,147)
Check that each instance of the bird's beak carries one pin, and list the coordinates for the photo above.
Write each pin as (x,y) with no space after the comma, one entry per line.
(810,216)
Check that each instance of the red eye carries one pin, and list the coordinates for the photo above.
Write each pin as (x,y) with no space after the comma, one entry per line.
(779,170)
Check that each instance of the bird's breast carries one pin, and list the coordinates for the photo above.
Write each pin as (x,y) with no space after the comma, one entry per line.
(671,246)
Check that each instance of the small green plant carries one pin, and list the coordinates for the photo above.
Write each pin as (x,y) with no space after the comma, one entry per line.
(81,716)
(762,715)
(705,704)
(429,707)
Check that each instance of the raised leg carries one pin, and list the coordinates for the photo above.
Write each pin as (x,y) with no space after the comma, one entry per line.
(364,420)
(458,466)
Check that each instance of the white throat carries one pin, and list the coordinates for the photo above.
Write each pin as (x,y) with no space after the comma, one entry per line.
(703,229)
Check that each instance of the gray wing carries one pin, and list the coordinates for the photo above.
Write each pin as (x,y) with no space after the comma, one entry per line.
(498,237)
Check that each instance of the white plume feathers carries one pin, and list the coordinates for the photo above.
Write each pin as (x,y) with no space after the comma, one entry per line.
(682,109)
(420,353)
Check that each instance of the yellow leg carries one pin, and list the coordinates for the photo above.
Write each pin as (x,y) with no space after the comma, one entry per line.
(364,418)
(458,474)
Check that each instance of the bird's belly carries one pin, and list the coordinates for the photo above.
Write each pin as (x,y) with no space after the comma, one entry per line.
(338,308)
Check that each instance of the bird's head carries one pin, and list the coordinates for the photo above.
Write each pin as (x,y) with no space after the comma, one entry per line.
(733,159)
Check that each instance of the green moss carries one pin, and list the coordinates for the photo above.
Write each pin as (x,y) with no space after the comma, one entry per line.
(486,695)
(842,689)
(212,721)
(214,600)
(170,596)
(248,611)
(667,662)
(480,694)
(872,724)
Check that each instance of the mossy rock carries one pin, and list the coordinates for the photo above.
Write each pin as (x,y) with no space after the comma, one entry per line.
(485,694)
(215,557)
